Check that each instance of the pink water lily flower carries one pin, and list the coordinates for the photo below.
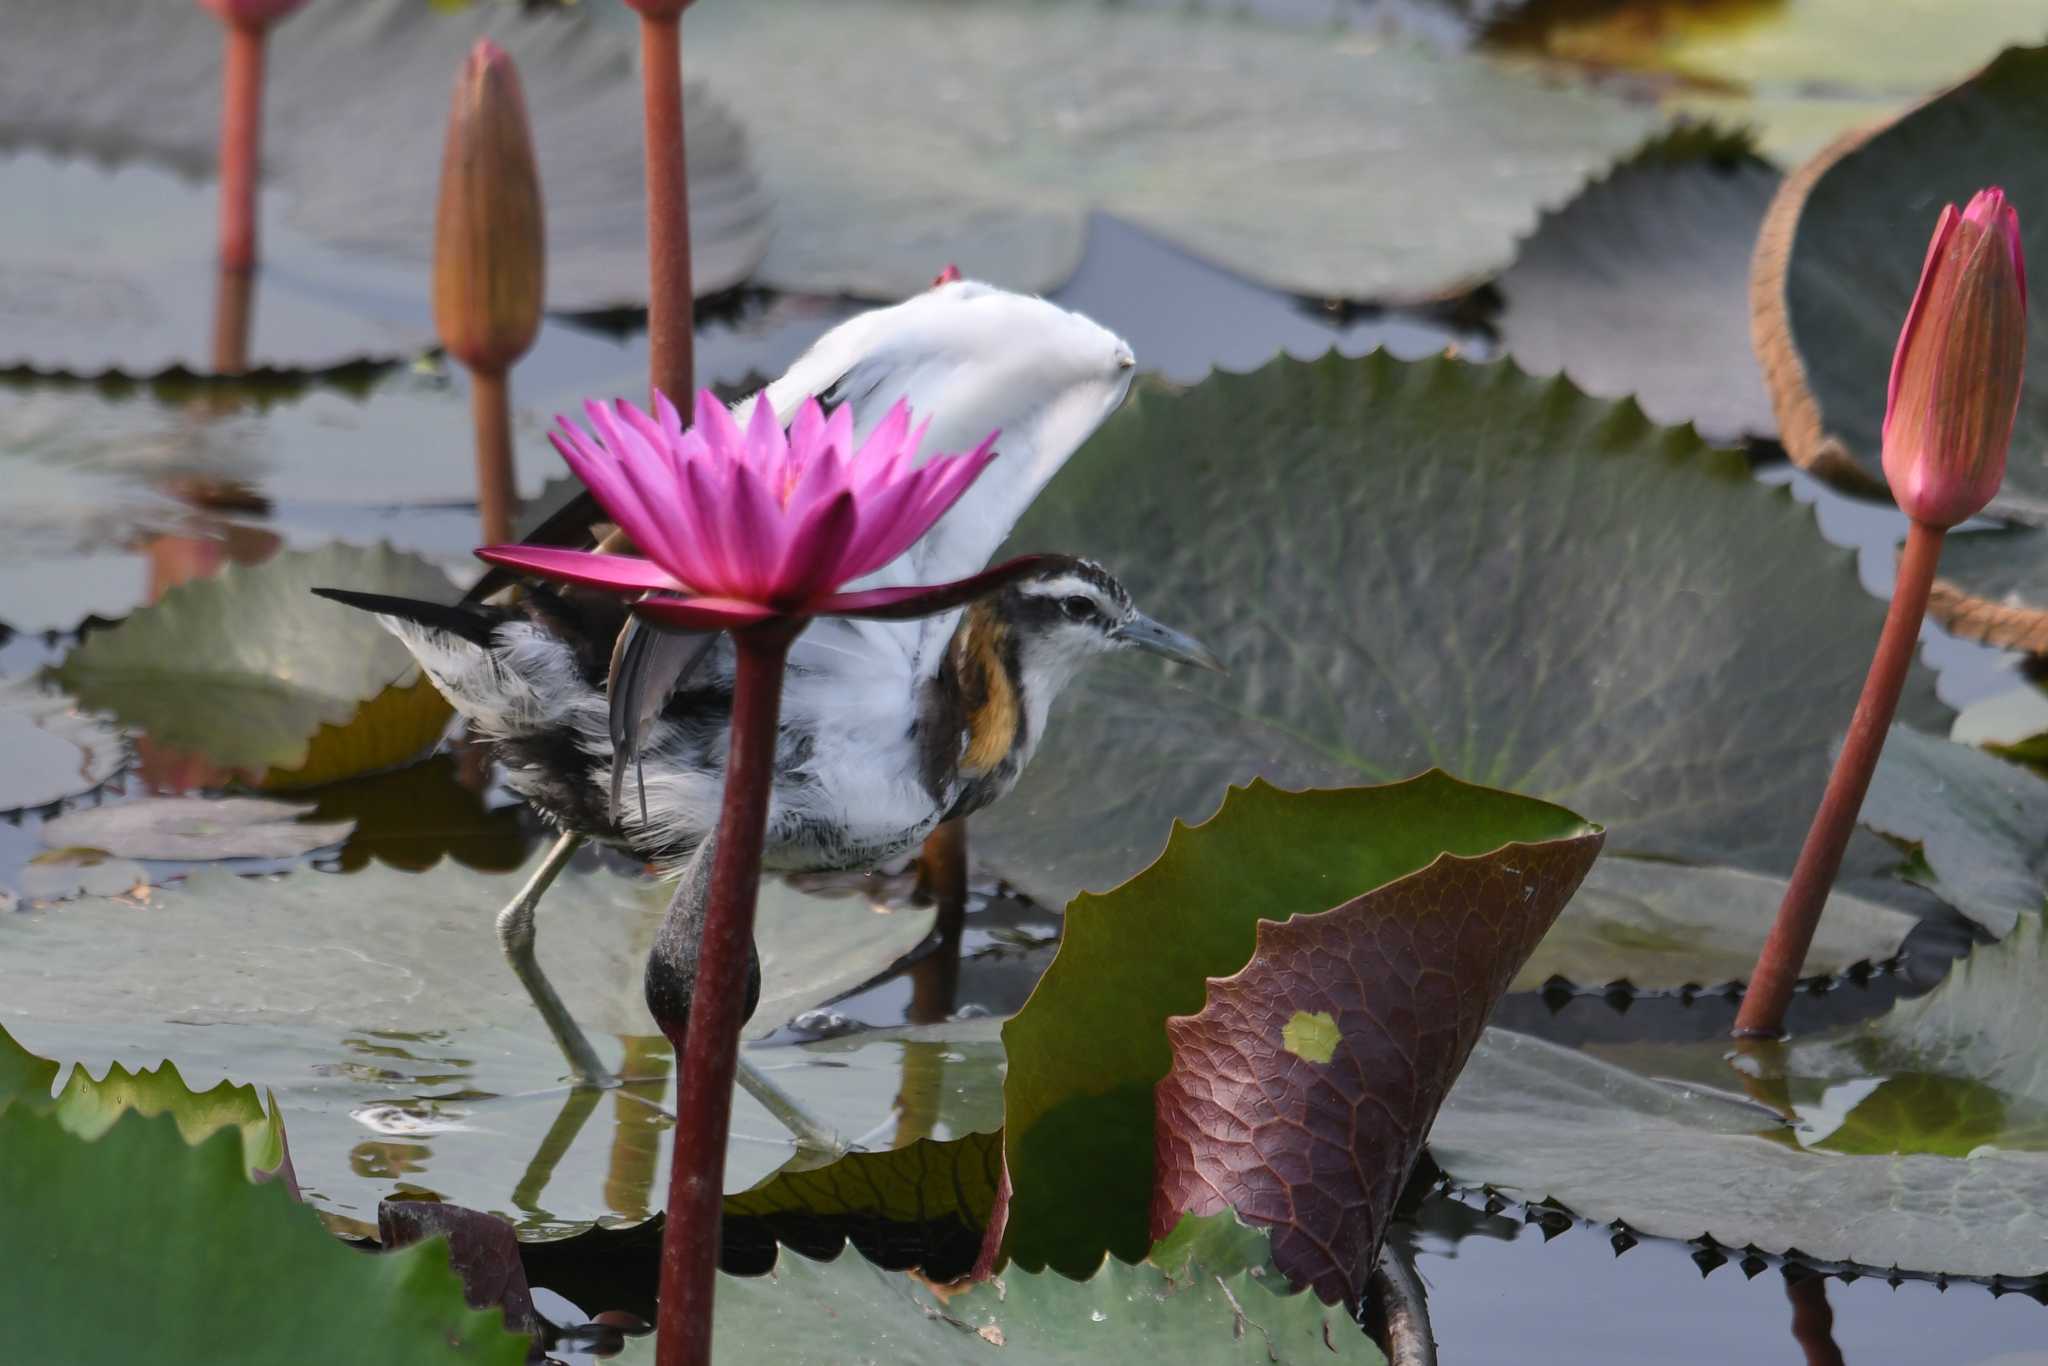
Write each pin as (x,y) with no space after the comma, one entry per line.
(735,527)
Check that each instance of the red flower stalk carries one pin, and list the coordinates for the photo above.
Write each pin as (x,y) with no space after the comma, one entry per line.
(753,531)
(241,122)
(1955,389)
(671,306)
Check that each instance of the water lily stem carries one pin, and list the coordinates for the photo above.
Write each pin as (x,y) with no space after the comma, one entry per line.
(491,409)
(709,1045)
(241,144)
(1777,968)
(670,304)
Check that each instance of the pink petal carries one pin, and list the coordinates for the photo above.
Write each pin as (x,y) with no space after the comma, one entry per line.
(753,535)
(651,478)
(601,475)
(665,413)
(702,614)
(812,562)
(884,513)
(720,433)
(768,451)
(932,491)
(896,603)
(806,439)
(883,442)
(1944,229)
(625,573)
(709,511)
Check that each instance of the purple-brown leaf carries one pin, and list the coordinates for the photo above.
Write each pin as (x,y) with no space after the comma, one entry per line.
(1302,1092)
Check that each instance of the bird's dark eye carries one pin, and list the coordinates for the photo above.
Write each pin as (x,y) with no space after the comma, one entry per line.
(1077,607)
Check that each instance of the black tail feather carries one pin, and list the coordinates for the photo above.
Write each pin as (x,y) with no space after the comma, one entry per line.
(467,623)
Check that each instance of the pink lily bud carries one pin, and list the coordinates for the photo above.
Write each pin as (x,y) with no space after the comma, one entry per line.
(251,13)
(1955,384)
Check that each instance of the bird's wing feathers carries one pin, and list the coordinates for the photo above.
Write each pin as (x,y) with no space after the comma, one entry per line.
(974,360)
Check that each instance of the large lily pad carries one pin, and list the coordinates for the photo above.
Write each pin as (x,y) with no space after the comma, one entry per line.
(1437,563)
(358,91)
(53,750)
(1092,1043)
(1294,157)
(1981,824)
(1800,71)
(195,1251)
(245,668)
(1658,926)
(194,829)
(808,1313)
(1841,252)
(1636,287)
(1916,1141)
(378,1009)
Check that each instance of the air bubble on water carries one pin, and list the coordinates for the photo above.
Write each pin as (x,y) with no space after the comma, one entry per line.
(971,1011)
(1097,1316)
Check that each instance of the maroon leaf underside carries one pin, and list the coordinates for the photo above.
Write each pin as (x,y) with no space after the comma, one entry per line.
(482,1247)
(1319,1151)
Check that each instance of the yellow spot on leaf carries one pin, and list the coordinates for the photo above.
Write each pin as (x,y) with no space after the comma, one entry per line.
(1310,1035)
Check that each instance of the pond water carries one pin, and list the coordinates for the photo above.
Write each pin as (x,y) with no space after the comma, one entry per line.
(1498,1287)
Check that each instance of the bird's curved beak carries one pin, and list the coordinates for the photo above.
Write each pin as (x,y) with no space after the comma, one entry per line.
(1146,634)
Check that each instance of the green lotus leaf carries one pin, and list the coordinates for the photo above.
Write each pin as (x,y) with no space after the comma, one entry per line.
(954,158)
(378,1009)
(1917,1140)
(1407,565)
(244,669)
(194,1250)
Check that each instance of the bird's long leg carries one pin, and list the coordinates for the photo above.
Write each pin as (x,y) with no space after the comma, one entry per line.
(516,934)
(810,1131)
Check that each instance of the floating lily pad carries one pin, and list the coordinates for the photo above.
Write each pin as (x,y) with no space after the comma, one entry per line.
(1841,252)
(53,749)
(1800,71)
(195,829)
(358,93)
(1408,565)
(378,1008)
(60,874)
(1637,287)
(245,668)
(197,1252)
(808,1313)
(1088,1049)
(1916,1141)
(1294,157)
(1980,822)
(1660,926)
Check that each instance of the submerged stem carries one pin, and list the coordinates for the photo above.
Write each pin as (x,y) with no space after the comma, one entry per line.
(1777,968)
(708,1042)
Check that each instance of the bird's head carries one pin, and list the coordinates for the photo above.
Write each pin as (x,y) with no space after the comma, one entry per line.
(1071,610)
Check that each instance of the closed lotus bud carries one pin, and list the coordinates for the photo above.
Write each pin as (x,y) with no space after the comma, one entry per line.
(489,248)
(251,13)
(1955,384)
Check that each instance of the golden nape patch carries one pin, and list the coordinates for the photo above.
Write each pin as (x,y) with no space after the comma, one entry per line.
(993,712)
